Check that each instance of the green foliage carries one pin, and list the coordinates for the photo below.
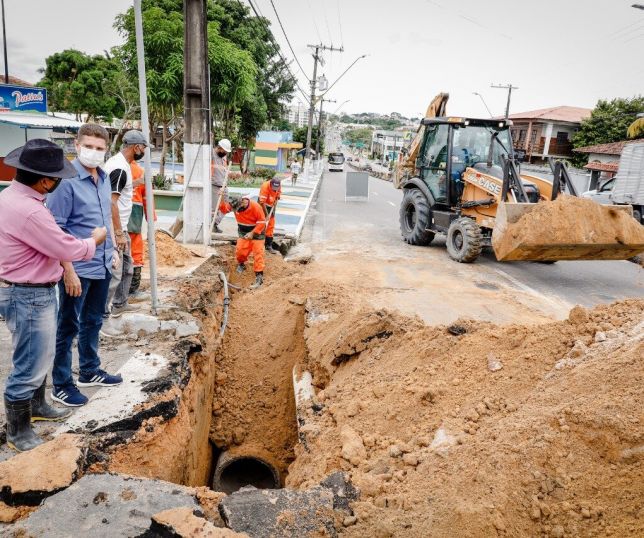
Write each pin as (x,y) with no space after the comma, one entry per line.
(78,83)
(608,122)
(299,135)
(380,122)
(160,182)
(264,173)
(636,129)
(359,135)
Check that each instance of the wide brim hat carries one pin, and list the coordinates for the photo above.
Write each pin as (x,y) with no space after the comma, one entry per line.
(41,156)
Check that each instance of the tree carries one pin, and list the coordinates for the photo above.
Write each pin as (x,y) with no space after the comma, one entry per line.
(608,122)
(356,136)
(636,129)
(300,136)
(77,82)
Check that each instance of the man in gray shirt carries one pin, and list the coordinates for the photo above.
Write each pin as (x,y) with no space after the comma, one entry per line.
(218,176)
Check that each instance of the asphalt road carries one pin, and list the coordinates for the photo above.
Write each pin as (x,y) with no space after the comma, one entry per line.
(371,229)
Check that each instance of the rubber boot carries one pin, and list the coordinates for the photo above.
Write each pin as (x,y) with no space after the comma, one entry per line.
(259,280)
(268,245)
(20,435)
(136,280)
(240,268)
(41,410)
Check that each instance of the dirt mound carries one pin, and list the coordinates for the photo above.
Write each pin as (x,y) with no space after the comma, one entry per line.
(501,430)
(169,252)
(568,221)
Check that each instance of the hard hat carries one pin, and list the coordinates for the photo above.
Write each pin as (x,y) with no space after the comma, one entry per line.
(224,144)
(235,202)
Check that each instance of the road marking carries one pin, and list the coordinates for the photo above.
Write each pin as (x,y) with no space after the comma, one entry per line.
(375,193)
(391,203)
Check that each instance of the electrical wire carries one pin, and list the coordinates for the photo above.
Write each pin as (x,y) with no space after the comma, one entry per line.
(315,24)
(340,24)
(288,41)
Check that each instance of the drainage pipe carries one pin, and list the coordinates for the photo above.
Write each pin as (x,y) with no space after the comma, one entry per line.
(224,320)
(237,468)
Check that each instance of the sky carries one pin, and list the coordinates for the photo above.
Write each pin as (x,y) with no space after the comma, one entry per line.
(557,52)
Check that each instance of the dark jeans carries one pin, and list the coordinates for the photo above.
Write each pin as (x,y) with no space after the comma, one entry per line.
(30,314)
(82,316)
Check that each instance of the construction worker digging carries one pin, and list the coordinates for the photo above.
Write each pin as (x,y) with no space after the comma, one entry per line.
(251,223)
(269,193)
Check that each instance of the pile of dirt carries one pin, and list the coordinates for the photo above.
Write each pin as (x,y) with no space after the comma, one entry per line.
(169,252)
(568,221)
(478,429)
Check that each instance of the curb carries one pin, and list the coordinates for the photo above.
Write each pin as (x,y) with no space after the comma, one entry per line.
(314,195)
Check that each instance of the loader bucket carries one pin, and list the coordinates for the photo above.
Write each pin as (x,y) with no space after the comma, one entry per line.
(568,228)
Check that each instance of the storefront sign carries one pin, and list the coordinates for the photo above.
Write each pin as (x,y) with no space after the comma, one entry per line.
(22,99)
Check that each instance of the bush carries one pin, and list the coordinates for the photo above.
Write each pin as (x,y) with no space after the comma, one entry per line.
(160,182)
(264,173)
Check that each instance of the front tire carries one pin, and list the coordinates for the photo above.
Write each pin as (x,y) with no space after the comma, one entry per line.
(464,240)
(414,218)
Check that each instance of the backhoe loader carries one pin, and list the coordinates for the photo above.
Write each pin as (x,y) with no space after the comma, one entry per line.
(460,178)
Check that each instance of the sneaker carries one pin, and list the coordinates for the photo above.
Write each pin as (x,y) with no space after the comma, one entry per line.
(217,230)
(69,396)
(240,268)
(138,297)
(100,378)
(108,330)
(118,311)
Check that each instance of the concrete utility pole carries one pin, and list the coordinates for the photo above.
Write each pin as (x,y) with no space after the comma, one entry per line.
(4,41)
(145,129)
(197,147)
(317,142)
(508,87)
(316,59)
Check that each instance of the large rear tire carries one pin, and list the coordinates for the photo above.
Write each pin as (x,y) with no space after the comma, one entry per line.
(464,240)
(414,218)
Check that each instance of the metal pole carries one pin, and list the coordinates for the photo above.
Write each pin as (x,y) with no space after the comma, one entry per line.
(508,87)
(145,129)
(4,41)
(317,142)
(312,104)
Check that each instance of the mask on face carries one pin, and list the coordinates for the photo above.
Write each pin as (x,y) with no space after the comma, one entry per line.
(275,185)
(138,156)
(91,158)
(56,183)
(222,154)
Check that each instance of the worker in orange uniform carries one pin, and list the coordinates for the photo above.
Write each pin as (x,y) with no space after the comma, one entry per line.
(251,224)
(269,193)
(134,227)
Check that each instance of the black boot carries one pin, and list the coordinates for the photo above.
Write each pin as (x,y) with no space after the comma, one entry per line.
(268,245)
(259,280)
(20,436)
(136,280)
(41,410)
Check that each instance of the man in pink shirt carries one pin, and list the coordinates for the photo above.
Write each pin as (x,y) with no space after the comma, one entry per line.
(32,247)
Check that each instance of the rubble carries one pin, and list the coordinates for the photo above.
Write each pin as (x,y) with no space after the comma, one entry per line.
(187,523)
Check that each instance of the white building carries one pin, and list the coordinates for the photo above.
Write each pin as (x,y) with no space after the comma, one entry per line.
(388,143)
(297,114)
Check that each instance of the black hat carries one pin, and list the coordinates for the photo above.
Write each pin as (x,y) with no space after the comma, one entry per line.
(41,157)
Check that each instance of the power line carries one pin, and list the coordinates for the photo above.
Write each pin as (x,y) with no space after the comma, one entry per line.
(288,41)
(276,47)
(315,24)
(340,24)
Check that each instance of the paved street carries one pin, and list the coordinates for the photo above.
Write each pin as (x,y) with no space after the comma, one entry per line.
(425,281)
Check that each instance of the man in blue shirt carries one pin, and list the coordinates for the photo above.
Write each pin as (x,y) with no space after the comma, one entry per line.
(79,205)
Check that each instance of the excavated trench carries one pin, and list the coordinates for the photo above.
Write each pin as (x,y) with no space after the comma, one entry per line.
(235,421)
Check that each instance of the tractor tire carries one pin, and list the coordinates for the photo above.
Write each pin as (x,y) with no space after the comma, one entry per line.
(414,218)
(464,240)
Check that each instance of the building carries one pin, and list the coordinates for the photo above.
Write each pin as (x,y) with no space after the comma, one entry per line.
(547,132)
(297,114)
(388,143)
(272,149)
(603,159)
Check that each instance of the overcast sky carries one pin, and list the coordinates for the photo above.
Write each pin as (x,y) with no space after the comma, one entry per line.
(558,52)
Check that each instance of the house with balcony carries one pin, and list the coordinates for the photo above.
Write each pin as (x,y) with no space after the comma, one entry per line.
(547,132)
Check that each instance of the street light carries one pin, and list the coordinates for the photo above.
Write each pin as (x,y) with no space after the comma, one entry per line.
(488,110)
(638,6)
(343,73)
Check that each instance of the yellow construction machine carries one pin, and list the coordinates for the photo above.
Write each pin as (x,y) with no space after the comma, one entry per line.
(460,178)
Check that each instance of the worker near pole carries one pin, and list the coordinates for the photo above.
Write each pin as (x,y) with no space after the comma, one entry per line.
(251,223)
(218,176)
(32,250)
(269,193)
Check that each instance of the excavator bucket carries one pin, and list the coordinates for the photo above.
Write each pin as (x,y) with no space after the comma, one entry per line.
(568,228)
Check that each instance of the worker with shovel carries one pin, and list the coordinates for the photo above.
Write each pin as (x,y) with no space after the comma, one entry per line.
(251,223)
(269,193)
(218,176)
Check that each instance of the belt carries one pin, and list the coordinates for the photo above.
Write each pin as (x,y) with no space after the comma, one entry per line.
(28,285)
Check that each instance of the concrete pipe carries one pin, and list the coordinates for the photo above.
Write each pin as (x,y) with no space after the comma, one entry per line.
(236,469)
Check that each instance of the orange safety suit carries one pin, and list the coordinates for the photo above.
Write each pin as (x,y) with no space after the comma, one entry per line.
(268,198)
(136,218)
(251,219)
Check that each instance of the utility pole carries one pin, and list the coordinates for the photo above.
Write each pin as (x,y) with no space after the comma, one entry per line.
(4,42)
(316,59)
(196,84)
(508,87)
(317,142)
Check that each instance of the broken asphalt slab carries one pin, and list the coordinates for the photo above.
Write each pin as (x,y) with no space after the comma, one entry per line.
(186,523)
(104,506)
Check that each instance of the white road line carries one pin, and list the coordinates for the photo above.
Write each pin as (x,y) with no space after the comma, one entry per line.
(375,193)
(391,203)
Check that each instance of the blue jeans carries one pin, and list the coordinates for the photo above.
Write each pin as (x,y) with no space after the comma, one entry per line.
(30,314)
(82,316)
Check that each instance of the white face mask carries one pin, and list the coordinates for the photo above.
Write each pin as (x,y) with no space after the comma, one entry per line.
(91,157)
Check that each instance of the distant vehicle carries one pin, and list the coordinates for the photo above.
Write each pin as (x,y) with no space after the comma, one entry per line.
(627,187)
(349,159)
(336,162)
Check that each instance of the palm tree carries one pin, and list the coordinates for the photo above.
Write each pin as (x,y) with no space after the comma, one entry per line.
(636,129)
